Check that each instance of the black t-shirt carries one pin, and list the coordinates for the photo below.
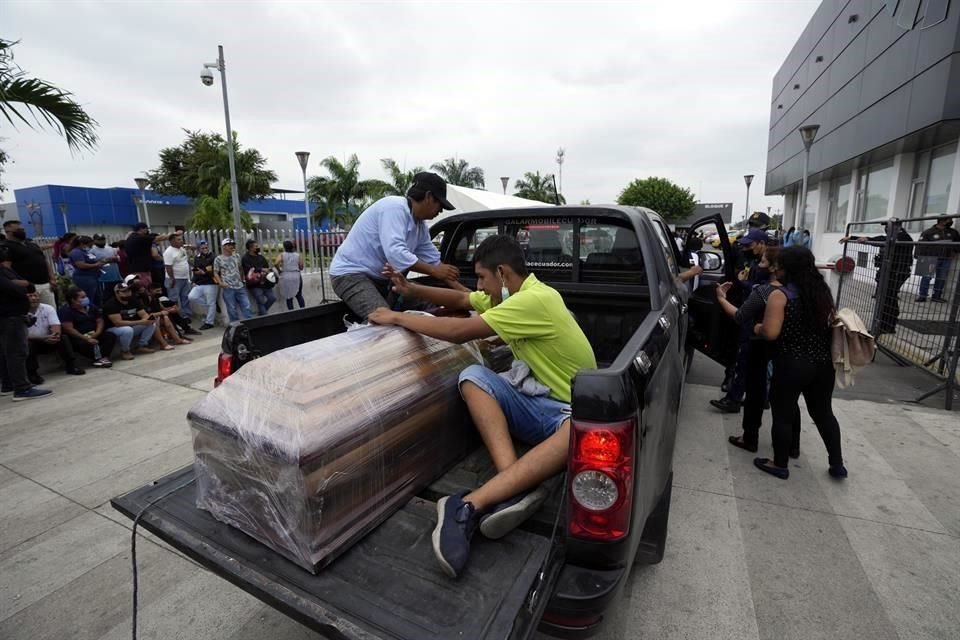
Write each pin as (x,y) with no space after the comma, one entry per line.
(257,262)
(29,261)
(203,263)
(139,257)
(13,297)
(82,322)
(129,310)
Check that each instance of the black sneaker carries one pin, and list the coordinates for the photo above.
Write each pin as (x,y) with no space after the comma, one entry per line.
(508,515)
(75,371)
(725,405)
(838,471)
(32,393)
(190,331)
(35,378)
(921,299)
(456,523)
(205,326)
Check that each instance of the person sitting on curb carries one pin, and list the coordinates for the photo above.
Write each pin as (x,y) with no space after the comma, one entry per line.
(44,335)
(128,320)
(544,336)
(169,323)
(83,326)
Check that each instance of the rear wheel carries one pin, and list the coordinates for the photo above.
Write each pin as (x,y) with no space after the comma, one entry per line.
(653,541)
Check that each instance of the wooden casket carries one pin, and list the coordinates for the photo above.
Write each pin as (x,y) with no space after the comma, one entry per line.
(309,448)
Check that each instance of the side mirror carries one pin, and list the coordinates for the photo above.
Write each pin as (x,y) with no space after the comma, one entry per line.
(710,261)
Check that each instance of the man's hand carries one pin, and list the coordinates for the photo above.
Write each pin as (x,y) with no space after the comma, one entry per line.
(723,289)
(696,269)
(53,338)
(445,272)
(399,281)
(90,340)
(383,316)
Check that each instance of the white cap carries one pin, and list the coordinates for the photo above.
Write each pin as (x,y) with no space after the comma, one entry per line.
(227,241)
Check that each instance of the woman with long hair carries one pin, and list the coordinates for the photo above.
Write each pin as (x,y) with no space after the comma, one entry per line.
(797,320)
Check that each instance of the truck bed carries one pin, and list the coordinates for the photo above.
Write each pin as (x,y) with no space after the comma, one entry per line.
(388,585)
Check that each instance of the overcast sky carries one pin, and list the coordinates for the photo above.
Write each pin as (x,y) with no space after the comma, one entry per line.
(629,89)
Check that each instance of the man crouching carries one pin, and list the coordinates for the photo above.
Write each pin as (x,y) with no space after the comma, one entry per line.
(530,403)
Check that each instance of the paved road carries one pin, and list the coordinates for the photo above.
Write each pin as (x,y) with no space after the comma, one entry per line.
(748,556)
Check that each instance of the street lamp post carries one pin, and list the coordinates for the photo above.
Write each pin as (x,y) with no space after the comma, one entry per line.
(207,78)
(746,207)
(560,154)
(808,133)
(303,157)
(504,180)
(142,185)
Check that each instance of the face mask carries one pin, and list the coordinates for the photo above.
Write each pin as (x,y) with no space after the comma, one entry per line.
(20,234)
(257,251)
(504,292)
(85,303)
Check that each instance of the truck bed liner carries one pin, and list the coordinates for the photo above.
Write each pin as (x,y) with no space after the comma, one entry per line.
(388,585)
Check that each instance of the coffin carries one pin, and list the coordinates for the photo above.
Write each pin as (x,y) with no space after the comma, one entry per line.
(311,447)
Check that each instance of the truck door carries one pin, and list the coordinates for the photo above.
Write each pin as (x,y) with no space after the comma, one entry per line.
(712,332)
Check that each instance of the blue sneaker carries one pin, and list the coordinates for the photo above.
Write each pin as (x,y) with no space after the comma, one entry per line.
(510,514)
(31,394)
(456,523)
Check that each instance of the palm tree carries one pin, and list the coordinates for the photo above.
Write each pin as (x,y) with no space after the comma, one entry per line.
(340,194)
(460,173)
(400,179)
(38,103)
(533,186)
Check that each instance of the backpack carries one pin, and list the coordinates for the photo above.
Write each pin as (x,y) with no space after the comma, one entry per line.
(853,347)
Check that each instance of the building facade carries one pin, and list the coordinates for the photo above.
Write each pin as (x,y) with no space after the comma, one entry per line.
(50,210)
(882,80)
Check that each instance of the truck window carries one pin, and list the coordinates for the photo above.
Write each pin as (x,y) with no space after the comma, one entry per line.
(548,249)
(467,246)
(609,253)
(668,243)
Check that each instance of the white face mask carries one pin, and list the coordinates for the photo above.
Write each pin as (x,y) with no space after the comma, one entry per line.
(504,292)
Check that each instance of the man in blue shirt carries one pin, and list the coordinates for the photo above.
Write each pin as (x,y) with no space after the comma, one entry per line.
(392,231)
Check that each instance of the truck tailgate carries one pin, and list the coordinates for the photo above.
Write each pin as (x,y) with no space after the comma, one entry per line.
(386,586)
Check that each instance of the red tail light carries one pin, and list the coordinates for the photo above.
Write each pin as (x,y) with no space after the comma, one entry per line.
(600,473)
(224,368)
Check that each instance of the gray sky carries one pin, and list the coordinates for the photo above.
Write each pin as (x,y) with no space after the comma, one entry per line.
(629,89)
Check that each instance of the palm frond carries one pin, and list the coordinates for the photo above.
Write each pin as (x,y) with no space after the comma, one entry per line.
(47,106)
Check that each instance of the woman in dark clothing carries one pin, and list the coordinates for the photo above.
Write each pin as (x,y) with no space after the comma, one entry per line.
(797,321)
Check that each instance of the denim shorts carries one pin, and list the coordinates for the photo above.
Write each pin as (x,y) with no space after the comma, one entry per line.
(532,419)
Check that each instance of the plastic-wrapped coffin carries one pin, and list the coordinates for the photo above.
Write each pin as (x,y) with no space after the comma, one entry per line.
(309,448)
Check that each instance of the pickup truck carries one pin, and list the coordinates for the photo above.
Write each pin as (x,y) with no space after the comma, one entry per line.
(561,572)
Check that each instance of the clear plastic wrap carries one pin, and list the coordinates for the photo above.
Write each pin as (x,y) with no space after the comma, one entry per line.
(309,448)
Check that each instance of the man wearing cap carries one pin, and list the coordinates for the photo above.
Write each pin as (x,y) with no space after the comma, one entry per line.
(110,271)
(753,244)
(226,273)
(205,289)
(935,259)
(128,320)
(139,249)
(30,261)
(393,230)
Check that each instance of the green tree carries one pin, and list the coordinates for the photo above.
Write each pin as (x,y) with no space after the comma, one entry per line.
(340,195)
(671,201)
(460,173)
(201,166)
(216,213)
(37,103)
(400,180)
(533,186)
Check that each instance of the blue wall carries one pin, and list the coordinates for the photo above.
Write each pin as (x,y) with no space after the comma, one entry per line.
(113,206)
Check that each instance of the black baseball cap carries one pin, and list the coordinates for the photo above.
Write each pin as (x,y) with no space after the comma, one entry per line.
(140,225)
(434,184)
(759,219)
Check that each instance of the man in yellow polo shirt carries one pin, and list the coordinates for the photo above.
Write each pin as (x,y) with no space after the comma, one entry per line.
(544,336)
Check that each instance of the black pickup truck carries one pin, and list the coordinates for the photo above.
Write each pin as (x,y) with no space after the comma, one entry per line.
(616,268)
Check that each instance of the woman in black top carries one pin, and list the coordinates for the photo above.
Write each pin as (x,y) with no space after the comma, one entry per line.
(797,320)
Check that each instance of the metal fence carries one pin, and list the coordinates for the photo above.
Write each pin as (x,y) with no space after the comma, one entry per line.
(908,293)
(316,247)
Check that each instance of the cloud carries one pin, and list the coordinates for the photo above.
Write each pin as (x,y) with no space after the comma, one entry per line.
(680,90)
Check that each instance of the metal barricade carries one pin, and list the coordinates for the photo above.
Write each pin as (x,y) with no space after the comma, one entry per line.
(908,293)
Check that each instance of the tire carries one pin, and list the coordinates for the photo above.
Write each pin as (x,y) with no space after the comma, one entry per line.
(653,540)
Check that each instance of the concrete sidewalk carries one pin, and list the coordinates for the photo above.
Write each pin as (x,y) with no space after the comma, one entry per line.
(748,556)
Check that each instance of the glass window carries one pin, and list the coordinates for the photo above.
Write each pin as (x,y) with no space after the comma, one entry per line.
(609,253)
(467,246)
(839,205)
(810,208)
(879,182)
(548,249)
(938,180)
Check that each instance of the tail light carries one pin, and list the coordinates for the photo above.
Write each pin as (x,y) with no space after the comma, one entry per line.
(600,473)
(224,368)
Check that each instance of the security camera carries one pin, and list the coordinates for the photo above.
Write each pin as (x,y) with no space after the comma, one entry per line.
(206,77)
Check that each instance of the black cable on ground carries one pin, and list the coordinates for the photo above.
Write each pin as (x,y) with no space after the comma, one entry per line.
(133,552)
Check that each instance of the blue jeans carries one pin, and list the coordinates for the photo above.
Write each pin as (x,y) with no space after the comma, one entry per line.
(532,419)
(179,293)
(237,304)
(126,334)
(941,272)
(264,297)
(206,294)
